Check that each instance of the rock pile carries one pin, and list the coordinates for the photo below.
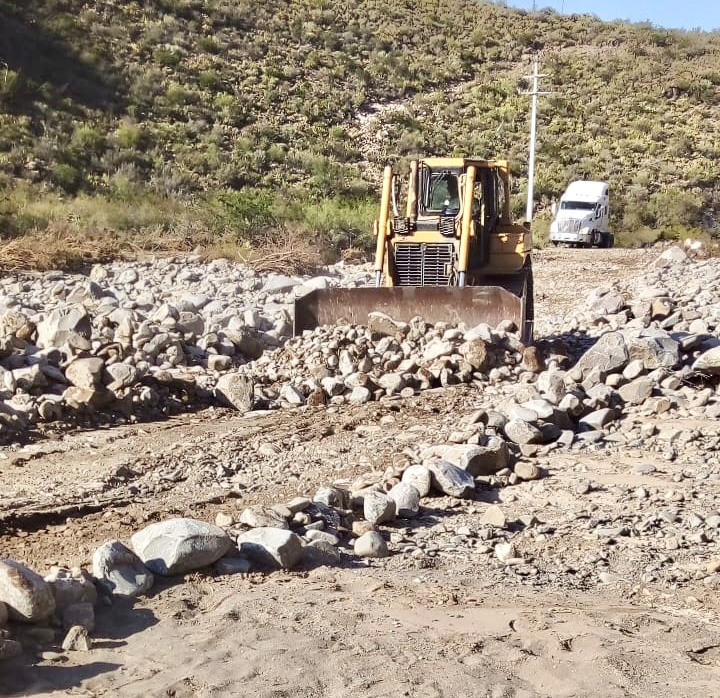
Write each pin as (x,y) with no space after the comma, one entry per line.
(351,364)
(137,338)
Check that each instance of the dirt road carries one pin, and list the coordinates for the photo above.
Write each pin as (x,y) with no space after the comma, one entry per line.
(582,616)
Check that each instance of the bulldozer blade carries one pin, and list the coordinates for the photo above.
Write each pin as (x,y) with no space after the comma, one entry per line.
(471,305)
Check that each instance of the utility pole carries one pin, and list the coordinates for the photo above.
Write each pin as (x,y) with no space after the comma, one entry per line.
(533,121)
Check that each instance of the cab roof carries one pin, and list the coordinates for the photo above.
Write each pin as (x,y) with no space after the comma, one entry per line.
(462,163)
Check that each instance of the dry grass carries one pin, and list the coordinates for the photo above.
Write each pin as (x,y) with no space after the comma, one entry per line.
(63,246)
(59,247)
(284,250)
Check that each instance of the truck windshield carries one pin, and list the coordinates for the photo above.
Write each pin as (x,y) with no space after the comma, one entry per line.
(578,205)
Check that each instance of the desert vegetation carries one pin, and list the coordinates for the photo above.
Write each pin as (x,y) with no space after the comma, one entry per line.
(177,124)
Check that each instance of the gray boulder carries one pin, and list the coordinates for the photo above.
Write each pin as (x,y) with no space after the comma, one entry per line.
(407,500)
(520,432)
(120,571)
(378,508)
(419,477)
(450,479)
(69,325)
(85,372)
(259,516)
(371,544)
(271,547)
(658,351)
(608,355)
(637,391)
(708,362)
(180,545)
(71,587)
(485,459)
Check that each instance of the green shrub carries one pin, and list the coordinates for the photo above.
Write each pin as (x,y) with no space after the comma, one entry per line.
(66,177)
(244,212)
(167,58)
(88,139)
(129,136)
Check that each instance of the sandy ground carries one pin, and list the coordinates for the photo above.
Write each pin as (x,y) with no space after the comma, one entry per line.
(462,626)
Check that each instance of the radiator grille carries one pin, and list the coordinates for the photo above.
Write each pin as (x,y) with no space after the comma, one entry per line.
(569,225)
(419,264)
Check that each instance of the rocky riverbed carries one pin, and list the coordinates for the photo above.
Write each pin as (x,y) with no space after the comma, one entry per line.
(526,521)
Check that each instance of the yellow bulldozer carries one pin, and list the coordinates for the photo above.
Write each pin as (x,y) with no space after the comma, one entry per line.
(453,254)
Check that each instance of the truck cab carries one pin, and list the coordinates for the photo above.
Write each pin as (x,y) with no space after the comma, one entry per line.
(582,218)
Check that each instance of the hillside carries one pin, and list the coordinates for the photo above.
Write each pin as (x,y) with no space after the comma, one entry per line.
(187,119)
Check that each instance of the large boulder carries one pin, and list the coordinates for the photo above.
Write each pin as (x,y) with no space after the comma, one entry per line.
(608,355)
(177,546)
(708,362)
(419,477)
(70,587)
(271,547)
(26,594)
(378,508)
(407,500)
(85,372)
(236,390)
(486,459)
(656,351)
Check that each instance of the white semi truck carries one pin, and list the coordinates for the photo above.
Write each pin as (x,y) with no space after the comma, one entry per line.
(583,217)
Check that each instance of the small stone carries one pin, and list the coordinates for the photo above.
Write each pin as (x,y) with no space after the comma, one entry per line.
(505,551)
(494,516)
(50,656)
(77,640)
(224,520)
(527,471)
(713,566)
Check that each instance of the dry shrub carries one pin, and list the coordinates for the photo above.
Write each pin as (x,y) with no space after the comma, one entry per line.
(59,246)
(283,250)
